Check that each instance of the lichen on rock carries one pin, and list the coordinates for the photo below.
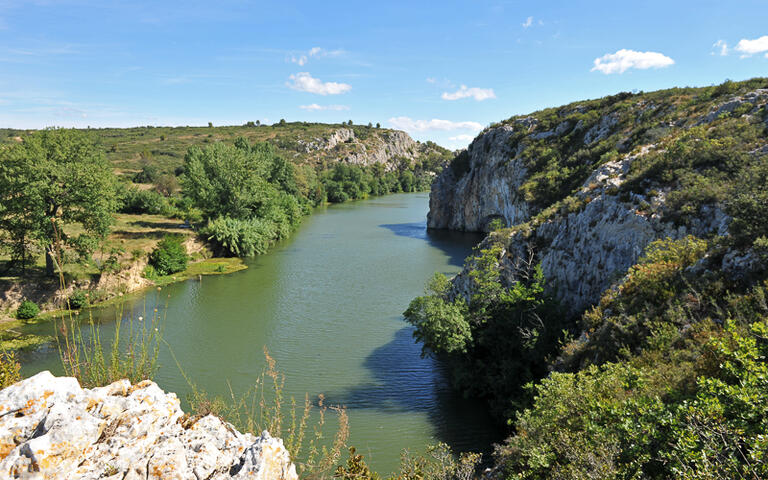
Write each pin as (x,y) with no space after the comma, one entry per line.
(50,427)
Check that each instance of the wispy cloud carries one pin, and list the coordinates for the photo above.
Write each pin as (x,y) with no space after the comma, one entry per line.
(528,22)
(410,125)
(750,47)
(304,82)
(478,94)
(317,108)
(720,48)
(461,138)
(314,52)
(624,59)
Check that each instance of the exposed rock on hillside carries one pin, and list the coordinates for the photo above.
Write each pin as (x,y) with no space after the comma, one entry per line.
(52,428)
(561,179)
(377,146)
(489,189)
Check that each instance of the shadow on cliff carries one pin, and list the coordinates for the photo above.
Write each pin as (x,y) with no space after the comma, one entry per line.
(454,244)
(402,381)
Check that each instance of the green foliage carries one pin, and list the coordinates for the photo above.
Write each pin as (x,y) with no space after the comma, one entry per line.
(53,179)
(149,173)
(438,463)
(250,196)
(749,203)
(441,326)
(138,201)
(169,256)
(498,342)
(230,181)
(78,299)
(132,355)
(27,310)
(679,416)
(241,238)
(9,369)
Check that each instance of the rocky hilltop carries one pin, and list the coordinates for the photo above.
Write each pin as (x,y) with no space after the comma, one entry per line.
(591,184)
(367,147)
(50,427)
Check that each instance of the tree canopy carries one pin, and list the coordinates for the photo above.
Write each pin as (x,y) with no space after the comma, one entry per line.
(53,180)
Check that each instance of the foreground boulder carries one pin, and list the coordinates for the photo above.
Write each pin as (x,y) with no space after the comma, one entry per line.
(50,427)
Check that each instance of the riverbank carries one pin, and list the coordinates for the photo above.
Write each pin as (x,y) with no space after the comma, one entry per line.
(327,304)
(12,336)
(116,271)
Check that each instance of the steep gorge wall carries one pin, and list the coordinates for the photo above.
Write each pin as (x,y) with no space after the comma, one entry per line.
(588,241)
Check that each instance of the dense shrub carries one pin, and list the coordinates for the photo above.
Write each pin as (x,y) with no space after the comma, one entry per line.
(138,201)
(242,238)
(170,255)
(78,299)
(149,173)
(685,414)
(497,343)
(9,369)
(27,310)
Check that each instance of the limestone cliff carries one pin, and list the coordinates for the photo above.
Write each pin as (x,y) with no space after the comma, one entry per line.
(50,427)
(366,147)
(584,185)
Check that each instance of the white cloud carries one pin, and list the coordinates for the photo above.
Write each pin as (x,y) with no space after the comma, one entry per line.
(410,125)
(478,94)
(461,138)
(316,52)
(528,22)
(624,59)
(722,48)
(304,82)
(316,108)
(431,80)
(301,60)
(751,47)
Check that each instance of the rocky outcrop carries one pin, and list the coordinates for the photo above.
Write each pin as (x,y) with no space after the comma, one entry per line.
(582,253)
(587,242)
(487,191)
(50,427)
(751,100)
(387,147)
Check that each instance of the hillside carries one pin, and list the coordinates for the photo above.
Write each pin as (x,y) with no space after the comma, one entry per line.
(283,170)
(307,143)
(616,312)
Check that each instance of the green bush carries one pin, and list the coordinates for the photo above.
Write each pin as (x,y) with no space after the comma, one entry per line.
(242,238)
(170,255)
(27,310)
(9,369)
(137,201)
(78,300)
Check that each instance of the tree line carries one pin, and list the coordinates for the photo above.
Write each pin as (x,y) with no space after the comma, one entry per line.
(59,193)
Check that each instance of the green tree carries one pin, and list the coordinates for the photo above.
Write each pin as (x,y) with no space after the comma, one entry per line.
(229,181)
(56,179)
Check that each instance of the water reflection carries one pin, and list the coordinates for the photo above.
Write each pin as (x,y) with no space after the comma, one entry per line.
(454,244)
(404,382)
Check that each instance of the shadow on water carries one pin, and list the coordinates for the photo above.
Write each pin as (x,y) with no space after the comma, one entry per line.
(404,382)
(454,244)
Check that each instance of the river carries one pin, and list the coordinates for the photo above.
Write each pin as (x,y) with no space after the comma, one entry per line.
(327,304)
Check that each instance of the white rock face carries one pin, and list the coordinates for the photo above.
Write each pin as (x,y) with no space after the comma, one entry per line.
(581,253)
(385,147)
(487,192)
(756,99)
(51,428)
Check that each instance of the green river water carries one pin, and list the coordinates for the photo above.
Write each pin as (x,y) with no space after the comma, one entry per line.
(327,304)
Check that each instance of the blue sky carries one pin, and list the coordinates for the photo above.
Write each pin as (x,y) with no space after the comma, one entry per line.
(440,70)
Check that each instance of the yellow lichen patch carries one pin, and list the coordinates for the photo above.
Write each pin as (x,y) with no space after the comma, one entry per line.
(6,449)
(141,385)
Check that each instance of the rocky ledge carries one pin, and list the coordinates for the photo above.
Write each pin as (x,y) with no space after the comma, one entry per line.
(50,427)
